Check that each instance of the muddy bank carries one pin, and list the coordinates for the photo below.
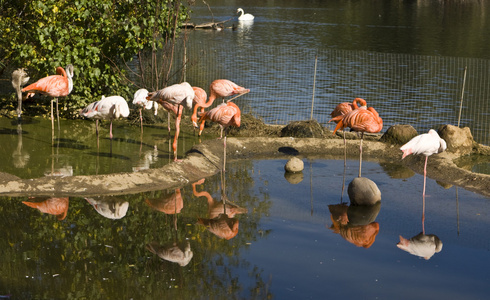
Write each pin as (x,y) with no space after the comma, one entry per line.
(206,159)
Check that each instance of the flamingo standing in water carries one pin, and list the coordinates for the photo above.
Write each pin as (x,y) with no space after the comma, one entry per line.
(219,88)
(59,85)
(226,115)
(199,101)
(174,98)
(425,144)
(109,108)
(360,120)
(140,100)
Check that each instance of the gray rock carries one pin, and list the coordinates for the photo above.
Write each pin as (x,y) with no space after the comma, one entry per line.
(363,191)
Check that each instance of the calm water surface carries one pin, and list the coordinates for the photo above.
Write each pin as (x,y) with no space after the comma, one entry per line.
(285,246)
(403,57)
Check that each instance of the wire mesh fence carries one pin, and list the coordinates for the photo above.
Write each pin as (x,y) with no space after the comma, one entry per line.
(290,84)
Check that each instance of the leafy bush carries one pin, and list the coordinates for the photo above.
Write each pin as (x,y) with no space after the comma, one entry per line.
(99,37)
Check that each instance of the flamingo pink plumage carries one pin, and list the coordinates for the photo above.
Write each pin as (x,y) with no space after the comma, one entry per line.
(360,120)
(55,86)
(346,107)
(425,144)
(172,98)
(220,88)
(108,108)
(226,115)
(199,101)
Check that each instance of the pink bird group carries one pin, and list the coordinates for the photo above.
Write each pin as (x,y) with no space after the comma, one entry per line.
(358,118)
(176,97)
(366,119)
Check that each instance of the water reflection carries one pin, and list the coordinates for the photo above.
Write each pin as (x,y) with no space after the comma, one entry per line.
(179,253)
(109,207)
(421,245)
(356,223)
(20,156)
(53,206)
(170,203)
(221,220)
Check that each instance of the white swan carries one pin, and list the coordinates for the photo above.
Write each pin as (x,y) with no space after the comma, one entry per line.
(244,17)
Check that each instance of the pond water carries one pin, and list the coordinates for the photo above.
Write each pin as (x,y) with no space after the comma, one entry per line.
(34,150)
(279,240)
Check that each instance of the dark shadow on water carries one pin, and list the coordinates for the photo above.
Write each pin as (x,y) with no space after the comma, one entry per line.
(69,144)
(11,131)
(111,155)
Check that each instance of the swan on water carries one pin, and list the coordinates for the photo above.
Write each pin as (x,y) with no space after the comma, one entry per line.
(243,16)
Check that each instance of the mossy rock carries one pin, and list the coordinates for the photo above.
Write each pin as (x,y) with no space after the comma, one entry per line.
(303,129)
(399,134)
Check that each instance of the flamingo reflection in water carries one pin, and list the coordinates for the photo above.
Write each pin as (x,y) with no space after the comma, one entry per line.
(109,207)
(222,220)
(175,252)
(354,229)
(53,206)
(170,203)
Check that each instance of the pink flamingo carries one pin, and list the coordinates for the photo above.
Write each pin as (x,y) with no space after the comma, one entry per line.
(172,98)
(425,144)
(226,115)
(360,120)
(109,108)
(199,101)
(54,86)
(345,108)
(219,88)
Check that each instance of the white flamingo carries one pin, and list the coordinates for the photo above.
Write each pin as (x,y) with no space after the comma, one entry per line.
(425,144)
(109,108)
(140,100)
(173,99)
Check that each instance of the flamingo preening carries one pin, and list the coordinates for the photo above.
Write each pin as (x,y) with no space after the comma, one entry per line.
(107,108)
(55,86)
(425,144)
(174,98)
(140,100)
(19,79)
(220,88)
(360,120)
(226,115)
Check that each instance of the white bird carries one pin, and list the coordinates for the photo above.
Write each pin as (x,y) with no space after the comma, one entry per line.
(172,98)
(140,100)
(243,16)
(425,144)
(109,108)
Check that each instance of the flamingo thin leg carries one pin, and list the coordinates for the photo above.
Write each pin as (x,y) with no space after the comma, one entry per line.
(423,195)
(177,131)
(360,155)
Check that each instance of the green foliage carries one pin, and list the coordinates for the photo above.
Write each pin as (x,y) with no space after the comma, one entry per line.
(99,37)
